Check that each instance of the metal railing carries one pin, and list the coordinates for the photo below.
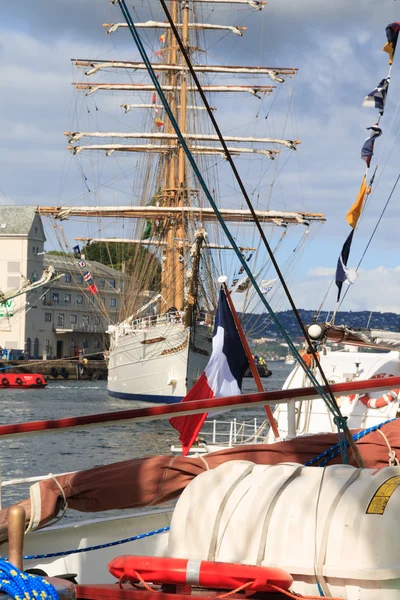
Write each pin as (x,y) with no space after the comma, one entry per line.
(234,432)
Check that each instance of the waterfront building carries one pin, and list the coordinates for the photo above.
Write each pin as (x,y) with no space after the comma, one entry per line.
(62,318)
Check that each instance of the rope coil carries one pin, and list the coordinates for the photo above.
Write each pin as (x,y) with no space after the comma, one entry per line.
(24,586)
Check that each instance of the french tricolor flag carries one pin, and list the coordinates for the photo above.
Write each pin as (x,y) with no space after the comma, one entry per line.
(223,374)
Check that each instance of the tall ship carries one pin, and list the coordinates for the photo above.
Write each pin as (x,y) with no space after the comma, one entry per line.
(162,340)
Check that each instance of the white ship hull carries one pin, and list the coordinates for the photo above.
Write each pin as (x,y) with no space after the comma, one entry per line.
(312,417)
(157,361)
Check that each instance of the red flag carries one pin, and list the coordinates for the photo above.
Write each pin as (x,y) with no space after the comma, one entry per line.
(222,376)
(93,289)
(154,98)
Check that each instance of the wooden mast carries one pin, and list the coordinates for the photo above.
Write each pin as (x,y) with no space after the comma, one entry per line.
(182,191)
(167,272)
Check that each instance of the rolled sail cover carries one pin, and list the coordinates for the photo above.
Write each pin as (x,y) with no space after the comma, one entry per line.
(151,481)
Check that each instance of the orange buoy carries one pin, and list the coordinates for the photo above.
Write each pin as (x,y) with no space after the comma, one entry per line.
(199,573)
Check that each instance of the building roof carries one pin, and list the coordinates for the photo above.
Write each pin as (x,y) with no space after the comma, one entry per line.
(19,220)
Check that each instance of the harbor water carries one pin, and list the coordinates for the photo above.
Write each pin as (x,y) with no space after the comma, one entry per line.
(61,452)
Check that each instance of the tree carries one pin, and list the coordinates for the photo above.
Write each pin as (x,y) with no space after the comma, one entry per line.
(134,258)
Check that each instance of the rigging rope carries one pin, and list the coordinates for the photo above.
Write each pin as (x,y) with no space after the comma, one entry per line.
(328,397)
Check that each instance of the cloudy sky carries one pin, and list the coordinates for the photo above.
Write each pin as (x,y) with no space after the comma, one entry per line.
(337,48)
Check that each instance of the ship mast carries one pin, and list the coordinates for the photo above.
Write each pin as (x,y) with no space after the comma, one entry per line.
(174,203)
(168,288)
(182,191)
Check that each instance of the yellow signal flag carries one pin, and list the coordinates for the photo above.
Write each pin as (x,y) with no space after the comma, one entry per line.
(355,211)
(162,38)
(388,47)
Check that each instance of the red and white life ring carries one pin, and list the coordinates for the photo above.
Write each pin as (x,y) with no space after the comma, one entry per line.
(199,573)
(381,402)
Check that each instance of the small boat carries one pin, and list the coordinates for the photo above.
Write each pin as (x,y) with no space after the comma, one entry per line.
(22,380)
(262,369)
(289,359)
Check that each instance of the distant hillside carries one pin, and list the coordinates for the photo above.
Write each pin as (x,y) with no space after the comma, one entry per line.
(259,326)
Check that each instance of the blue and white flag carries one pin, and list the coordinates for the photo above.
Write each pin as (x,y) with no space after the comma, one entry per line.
(267,285)
(76,250)
(377,98)
(367,151)
(223,374)
(343,273)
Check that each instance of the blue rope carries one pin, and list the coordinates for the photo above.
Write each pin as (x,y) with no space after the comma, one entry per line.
(24,586)
(328,398)
(98,547)
(334,450)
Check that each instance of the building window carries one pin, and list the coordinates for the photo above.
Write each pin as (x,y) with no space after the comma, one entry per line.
(102,283)
(47,317)
(35,229)
(85,321)
(72,343)
(46,345)
(113,302)
(96,343)
(55,297)
(34,250)
(112,283)
(97,320)
(60,320)
(79,299)
(85,343)
(67,277)
(73,320)
(67,298)
(13,267)
(79,278)
(121,285)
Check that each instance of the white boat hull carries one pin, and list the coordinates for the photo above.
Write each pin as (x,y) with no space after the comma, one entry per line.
(159,363)
(340,367)
(91,566)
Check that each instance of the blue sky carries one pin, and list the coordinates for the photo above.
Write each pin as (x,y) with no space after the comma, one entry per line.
(337,48)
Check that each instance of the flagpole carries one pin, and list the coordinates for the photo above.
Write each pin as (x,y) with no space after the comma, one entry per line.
(252,365)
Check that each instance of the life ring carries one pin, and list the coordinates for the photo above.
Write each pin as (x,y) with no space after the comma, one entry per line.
(5,382)
(39,381)
(381,402)
(54,372)
(19,381)
(199,573)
